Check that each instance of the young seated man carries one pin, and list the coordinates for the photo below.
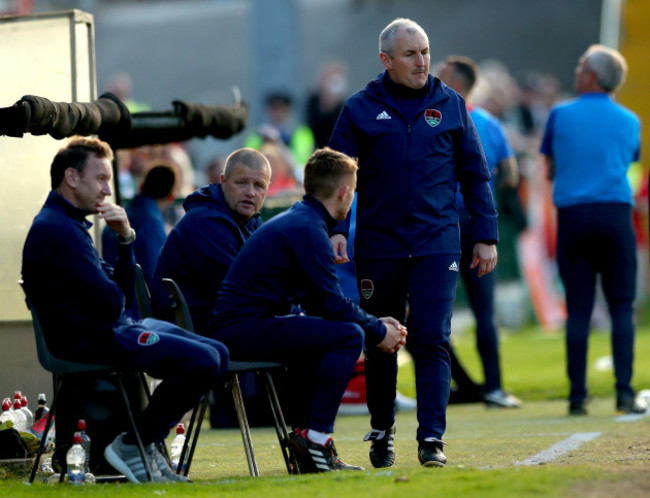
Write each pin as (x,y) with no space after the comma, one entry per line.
(80,301)
(288,264)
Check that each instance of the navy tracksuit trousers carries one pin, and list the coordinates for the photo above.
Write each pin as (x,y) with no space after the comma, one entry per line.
(592,239)
(320,355)
(480,292)
(188,364)
(428,285)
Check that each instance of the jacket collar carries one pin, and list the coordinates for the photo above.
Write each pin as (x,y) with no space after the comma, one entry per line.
(436,92)
(320,209)
(56,200)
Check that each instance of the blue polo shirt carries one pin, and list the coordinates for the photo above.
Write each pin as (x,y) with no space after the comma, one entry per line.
(494,142)
(592,141)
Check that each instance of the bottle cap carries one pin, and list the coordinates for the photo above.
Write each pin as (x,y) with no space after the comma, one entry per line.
(18,395)
(41,398)
(81,425)
(6,404)
(17,404)
(23,401)
(180,429)
(77,438)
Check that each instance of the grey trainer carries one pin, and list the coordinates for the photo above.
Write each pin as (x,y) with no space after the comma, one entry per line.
(126,459)
(162,465)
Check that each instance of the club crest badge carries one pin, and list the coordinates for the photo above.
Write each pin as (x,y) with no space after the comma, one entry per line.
(432,117)
(148,338)
(367,288)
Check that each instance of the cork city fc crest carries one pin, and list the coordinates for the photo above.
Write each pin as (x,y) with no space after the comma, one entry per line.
(367,288)
(148,338)
(432,117)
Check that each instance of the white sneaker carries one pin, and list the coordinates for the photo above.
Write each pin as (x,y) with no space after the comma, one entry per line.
(501,399)
(404,403)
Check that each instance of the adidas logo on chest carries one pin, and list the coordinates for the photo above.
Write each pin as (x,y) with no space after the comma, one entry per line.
(382,115)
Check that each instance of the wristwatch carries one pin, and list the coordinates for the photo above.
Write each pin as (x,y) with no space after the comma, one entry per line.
(129,239)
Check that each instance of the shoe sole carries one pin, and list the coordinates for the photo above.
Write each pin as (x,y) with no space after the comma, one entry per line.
(118,464)
(491,404)
(433,463)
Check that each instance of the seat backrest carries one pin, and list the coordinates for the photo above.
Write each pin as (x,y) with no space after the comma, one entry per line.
(142,293)
(45,358)
(179,304)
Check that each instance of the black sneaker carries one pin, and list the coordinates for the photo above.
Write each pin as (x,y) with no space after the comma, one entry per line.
(382,451)
(430,452)
(578,407)
(337,463)
(626,403)
(313,458)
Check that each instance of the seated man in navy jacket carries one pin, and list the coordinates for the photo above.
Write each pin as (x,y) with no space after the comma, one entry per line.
(288,264)
(219,219)
(80,301)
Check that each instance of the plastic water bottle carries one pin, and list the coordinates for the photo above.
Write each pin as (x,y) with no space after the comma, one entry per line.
(75,460)
(85,442)
(177,445)
(21,420)
(28,413)
(42,408)
(7,414)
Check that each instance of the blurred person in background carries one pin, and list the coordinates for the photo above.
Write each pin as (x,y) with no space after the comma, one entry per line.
(589,144)
(280,127)
(214,170)
(284,180)
(145,214)
(325,104)
(403,127)
(460,74)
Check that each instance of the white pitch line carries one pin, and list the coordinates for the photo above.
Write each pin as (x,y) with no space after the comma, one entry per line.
(558,449)
(632,417)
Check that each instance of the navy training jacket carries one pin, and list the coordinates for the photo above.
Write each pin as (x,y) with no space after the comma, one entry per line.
(409,167)
(74,291)
(198,253)
(289,261)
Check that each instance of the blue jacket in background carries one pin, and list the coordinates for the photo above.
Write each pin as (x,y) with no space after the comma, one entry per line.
(74,291)
(409,167)
(289,262)
(198,253)
(147,221)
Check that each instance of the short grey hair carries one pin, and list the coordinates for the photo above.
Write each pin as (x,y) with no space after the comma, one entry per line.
(248,157)
(608,65)
(387,36)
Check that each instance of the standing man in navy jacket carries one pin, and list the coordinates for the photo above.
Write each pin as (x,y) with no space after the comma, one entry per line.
(219,219)
(286,264)
(80,301)
(414,141)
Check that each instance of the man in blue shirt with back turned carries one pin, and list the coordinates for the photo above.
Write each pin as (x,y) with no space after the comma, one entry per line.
(589,144)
